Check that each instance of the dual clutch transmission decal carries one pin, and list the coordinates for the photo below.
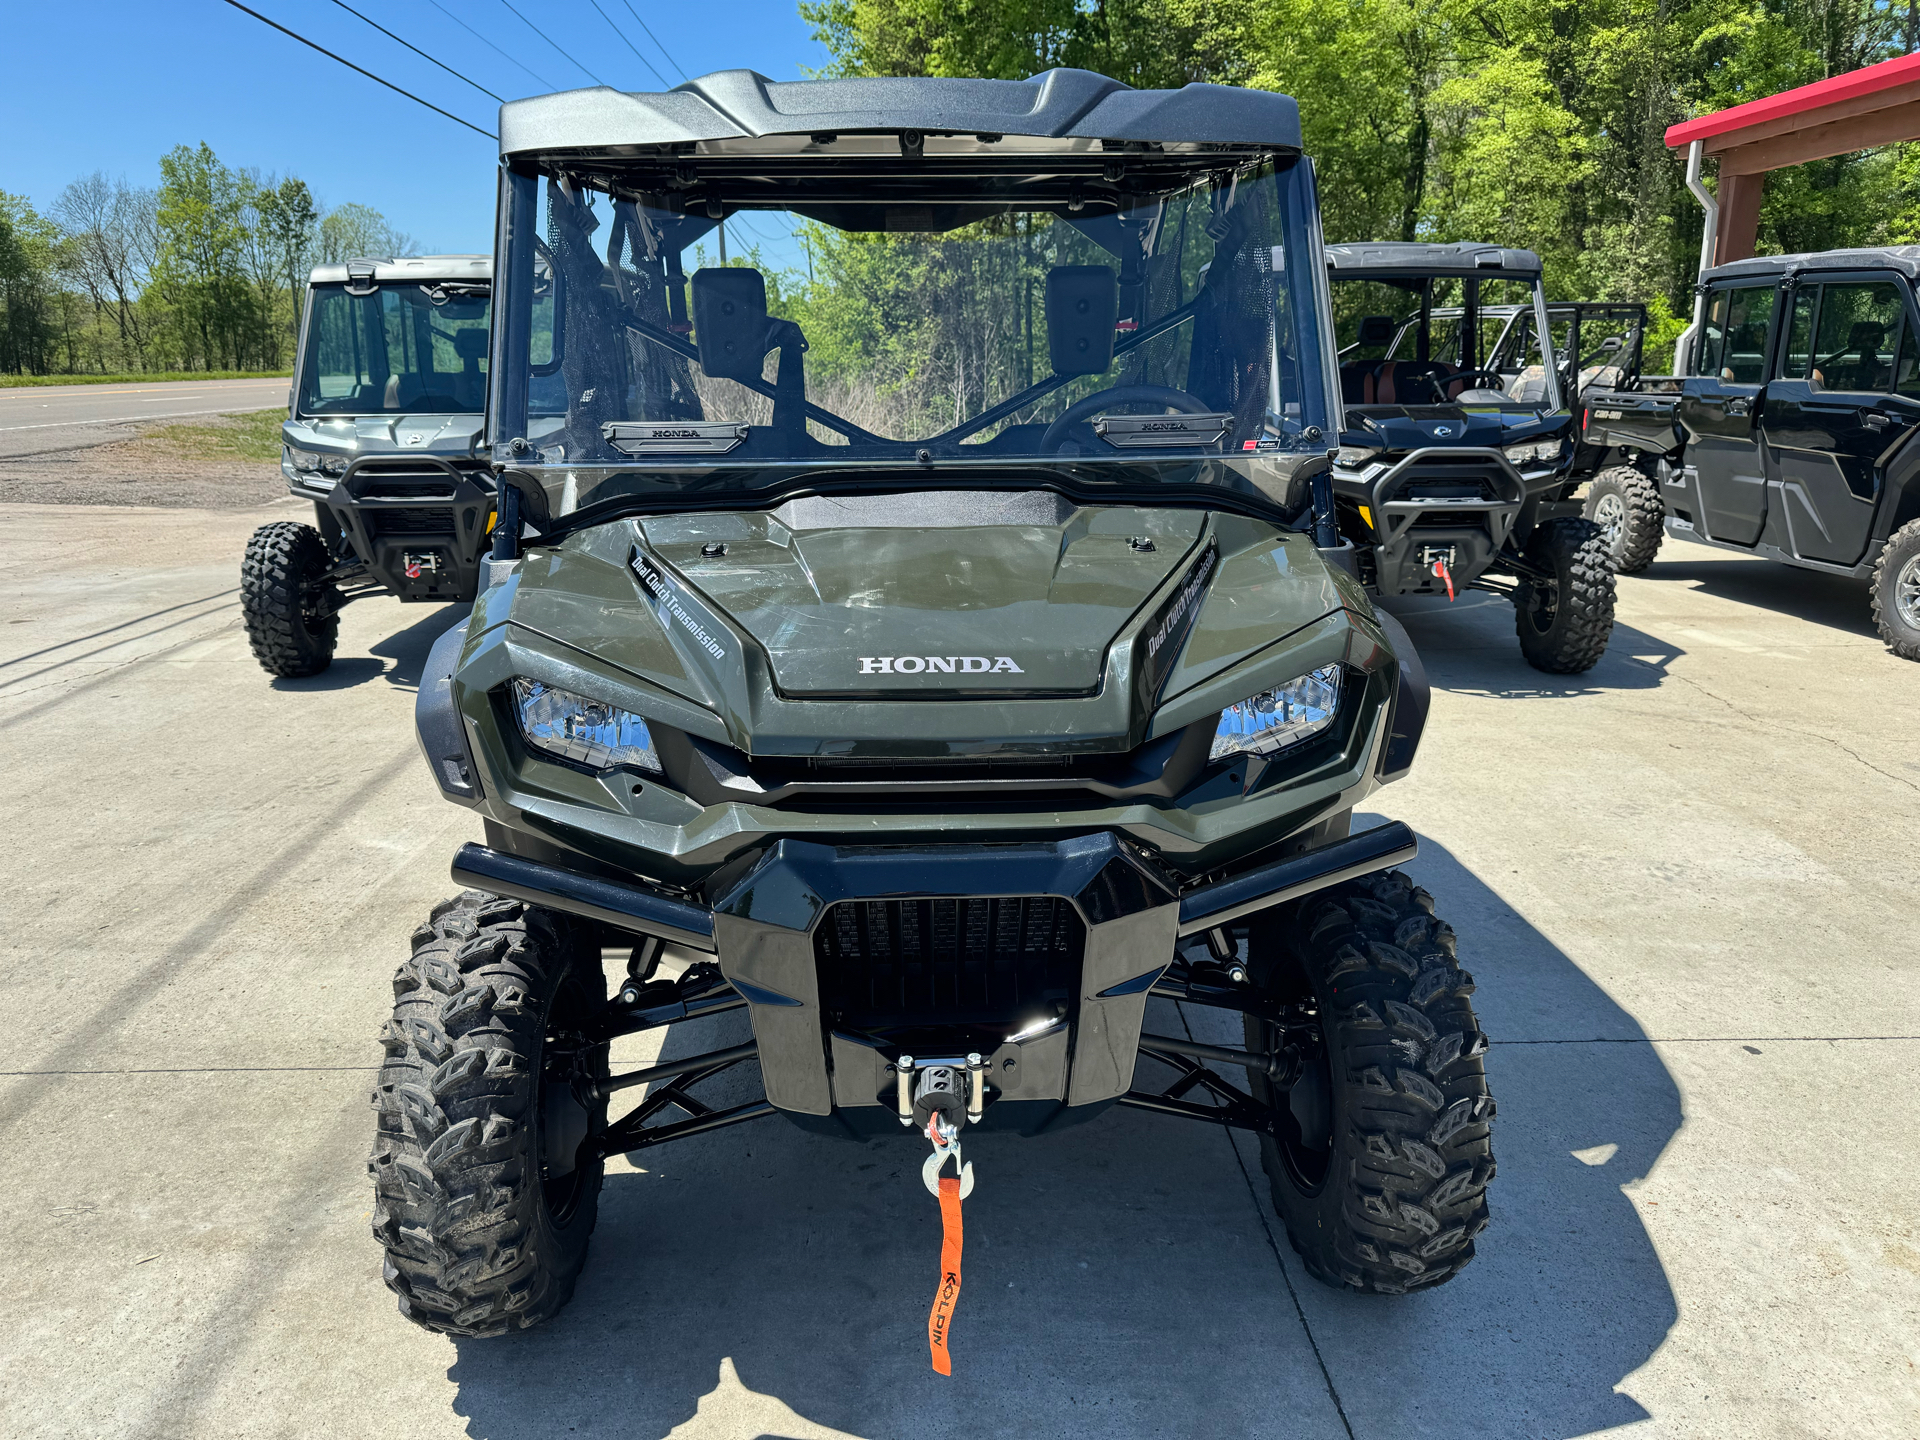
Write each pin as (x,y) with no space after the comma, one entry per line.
(1161,643)
(676,607)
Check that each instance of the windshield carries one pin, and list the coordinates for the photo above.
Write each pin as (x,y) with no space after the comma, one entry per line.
(403,349)
(1442,340)
(1134,310)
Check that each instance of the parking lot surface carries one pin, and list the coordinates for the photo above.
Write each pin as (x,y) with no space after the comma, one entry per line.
(1685,883)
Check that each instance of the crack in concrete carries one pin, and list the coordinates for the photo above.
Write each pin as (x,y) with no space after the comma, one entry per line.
(1793,730)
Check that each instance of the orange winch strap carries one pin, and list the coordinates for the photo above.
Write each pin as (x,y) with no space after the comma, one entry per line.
(940,1320)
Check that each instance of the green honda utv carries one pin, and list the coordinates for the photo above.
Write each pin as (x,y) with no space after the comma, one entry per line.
(928,633)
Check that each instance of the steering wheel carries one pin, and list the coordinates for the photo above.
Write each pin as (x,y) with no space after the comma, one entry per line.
(1441,383)
(1166,396)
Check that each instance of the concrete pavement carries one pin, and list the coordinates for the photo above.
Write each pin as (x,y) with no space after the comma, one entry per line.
(41,419)
(1686,884)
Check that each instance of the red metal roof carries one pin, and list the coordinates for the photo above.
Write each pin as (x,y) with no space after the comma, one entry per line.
(1888,75)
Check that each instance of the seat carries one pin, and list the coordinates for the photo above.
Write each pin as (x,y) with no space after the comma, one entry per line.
(1409,382)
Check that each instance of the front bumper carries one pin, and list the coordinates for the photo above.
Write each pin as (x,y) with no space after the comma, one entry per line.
(419,523)
(1038,956)
(1463,501)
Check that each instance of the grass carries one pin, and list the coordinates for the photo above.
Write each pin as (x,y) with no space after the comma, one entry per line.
(254,435)
(134,377)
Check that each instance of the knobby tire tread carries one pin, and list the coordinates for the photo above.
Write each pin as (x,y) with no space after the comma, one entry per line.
(1575,552)
(279,574)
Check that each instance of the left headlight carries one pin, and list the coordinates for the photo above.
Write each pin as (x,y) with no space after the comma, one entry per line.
(1276,719)
(1535,451)
(584,731)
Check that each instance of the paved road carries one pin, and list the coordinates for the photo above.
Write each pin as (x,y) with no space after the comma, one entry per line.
(36,419)
(1686,884)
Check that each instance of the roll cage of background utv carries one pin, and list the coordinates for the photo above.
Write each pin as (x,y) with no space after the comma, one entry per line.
(1454,468)
(939,739)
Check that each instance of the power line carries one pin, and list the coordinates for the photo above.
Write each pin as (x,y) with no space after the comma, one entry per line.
(630,44)
(653,37)
(488,43)
(417,50)
(368,73)
(557,50)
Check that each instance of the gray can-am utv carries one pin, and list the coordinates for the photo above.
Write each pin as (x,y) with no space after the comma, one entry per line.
(937,690)
(390,385)
(1454,467)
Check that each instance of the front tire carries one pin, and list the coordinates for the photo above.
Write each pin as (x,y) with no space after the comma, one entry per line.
(1626,504)
(1381,1167)
(485,1162)
(1564,619)
(1896,591)
(290,609)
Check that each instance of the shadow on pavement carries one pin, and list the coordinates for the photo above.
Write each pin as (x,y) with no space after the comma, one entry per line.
(1837,601)
(1120,1279)
(1469,646)
(398,659)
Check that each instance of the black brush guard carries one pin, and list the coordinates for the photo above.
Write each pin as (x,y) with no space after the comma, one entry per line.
(768,954)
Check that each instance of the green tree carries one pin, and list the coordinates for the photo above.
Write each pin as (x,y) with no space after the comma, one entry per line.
(29,311)
(202,221)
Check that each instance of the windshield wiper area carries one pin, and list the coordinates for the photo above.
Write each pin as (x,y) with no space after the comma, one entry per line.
(1145,432)
(673,437)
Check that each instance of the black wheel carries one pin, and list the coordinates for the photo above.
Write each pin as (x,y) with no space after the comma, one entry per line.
(485,1161)
(1564,619)
(1626,504)
(1382,1165)
(1897,591)
(290,611)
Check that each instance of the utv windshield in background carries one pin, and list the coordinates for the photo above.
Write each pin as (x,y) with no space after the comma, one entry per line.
(1409,340)
(716,312)
(403,349)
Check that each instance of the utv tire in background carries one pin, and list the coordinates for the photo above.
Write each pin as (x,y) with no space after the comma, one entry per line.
(1626,504)
(1381,1169)
(1896,591)
(1564,622)
(486,1172)
(290,611)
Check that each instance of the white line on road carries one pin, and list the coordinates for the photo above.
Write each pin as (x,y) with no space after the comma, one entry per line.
(119,419)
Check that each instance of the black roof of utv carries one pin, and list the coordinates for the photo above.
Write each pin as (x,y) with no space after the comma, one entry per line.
(1460,257)
(954,114)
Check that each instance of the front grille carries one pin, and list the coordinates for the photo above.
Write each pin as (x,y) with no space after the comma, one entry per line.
(435,486)
(411,520)
(976,960)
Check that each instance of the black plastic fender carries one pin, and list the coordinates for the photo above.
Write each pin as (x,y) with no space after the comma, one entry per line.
(443,739)
(1411,697)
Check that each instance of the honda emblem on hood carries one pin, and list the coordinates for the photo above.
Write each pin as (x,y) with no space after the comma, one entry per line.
(942,664)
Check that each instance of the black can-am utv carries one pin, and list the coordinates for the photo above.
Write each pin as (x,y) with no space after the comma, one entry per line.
(1454,466)
(390,385)
(935,646)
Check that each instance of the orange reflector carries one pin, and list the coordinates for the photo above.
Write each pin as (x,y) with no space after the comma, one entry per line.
(941,1318)
(1367,518)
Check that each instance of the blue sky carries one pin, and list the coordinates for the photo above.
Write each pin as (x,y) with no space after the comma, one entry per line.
(110,85)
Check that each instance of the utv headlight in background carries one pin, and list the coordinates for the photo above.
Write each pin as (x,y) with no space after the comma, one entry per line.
(1276,719)
(314,462)
(586,732)
(1533,453)
(1353,457)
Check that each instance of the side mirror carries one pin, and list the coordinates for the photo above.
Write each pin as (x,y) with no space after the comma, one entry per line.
(730,321)
(1082,304)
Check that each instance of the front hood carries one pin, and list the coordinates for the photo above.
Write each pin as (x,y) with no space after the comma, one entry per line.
(948,597)
(1416,427)
(954,593)
(353,435)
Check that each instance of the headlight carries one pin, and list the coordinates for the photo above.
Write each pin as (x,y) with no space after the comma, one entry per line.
(1355,456)
(1276,719)
(586,732)
(1534,451)
(314,462)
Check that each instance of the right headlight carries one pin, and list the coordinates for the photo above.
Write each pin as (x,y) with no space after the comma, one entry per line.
(314,462)
(582,730)
(1353,457)
(1276,719)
